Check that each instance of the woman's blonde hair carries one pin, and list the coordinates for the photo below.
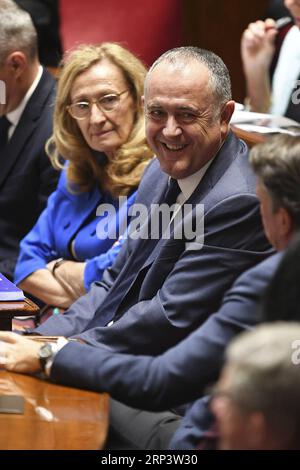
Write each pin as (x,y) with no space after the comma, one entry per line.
(121,174)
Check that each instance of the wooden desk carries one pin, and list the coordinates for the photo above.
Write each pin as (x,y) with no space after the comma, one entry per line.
(251,138)
(8,310)
(55,417)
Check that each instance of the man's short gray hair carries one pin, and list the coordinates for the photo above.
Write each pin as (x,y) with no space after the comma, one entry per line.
(265,373)
(17,32)
(219,74)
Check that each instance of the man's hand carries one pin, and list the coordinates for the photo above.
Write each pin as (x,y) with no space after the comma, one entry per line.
(19,354)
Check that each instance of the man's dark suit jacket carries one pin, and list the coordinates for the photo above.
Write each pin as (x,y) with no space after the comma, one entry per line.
(159,296)
(182,373)
(27,176)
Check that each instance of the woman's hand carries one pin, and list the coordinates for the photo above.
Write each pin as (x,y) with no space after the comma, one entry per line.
(19,354)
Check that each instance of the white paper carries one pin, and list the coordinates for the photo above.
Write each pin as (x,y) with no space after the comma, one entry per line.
(261,119)
(266,130)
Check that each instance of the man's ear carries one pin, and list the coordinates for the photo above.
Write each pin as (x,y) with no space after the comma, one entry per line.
(225,117)
(286,223)
(16,63)
(227,111)
(143,100)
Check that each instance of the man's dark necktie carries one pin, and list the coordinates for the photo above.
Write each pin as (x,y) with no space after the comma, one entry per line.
(170,197)
(4,126)
(172,192)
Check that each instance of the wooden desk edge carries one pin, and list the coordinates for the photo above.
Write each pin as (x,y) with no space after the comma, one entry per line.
(25,307)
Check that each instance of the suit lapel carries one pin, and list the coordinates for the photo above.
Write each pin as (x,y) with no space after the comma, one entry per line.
(27,124)
(222,161)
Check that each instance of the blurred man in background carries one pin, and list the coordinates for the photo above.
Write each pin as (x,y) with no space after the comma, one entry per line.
(27,177)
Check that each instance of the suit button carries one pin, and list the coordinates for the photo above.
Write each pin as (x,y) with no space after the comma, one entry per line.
(110,323)
(67,225)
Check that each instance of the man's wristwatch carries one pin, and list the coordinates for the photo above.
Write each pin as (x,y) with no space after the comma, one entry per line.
(46,354)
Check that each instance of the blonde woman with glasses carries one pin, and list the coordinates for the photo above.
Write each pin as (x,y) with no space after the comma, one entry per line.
(99,143)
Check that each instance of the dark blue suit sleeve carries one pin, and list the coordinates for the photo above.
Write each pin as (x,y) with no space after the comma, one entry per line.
(194,430)
(180,374)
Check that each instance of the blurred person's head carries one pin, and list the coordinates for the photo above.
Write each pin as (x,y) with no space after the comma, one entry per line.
(256,401)
(276,164)
(188,109)
(99,110)
(18,54)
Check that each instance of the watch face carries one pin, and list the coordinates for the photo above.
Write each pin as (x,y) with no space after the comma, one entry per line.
(45,351)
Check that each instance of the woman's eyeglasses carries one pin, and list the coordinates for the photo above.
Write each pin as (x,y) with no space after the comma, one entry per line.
(106,104)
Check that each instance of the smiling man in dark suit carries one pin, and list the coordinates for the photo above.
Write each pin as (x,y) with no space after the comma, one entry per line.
(164,288)
(27,177)
(159,291)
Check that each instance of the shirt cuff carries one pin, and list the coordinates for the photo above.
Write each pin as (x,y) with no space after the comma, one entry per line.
(61,342)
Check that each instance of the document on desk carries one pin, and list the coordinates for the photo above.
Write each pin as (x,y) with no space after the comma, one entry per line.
(269,121)
(8,291)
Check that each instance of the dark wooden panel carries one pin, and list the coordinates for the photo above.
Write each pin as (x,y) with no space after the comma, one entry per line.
(217,25)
